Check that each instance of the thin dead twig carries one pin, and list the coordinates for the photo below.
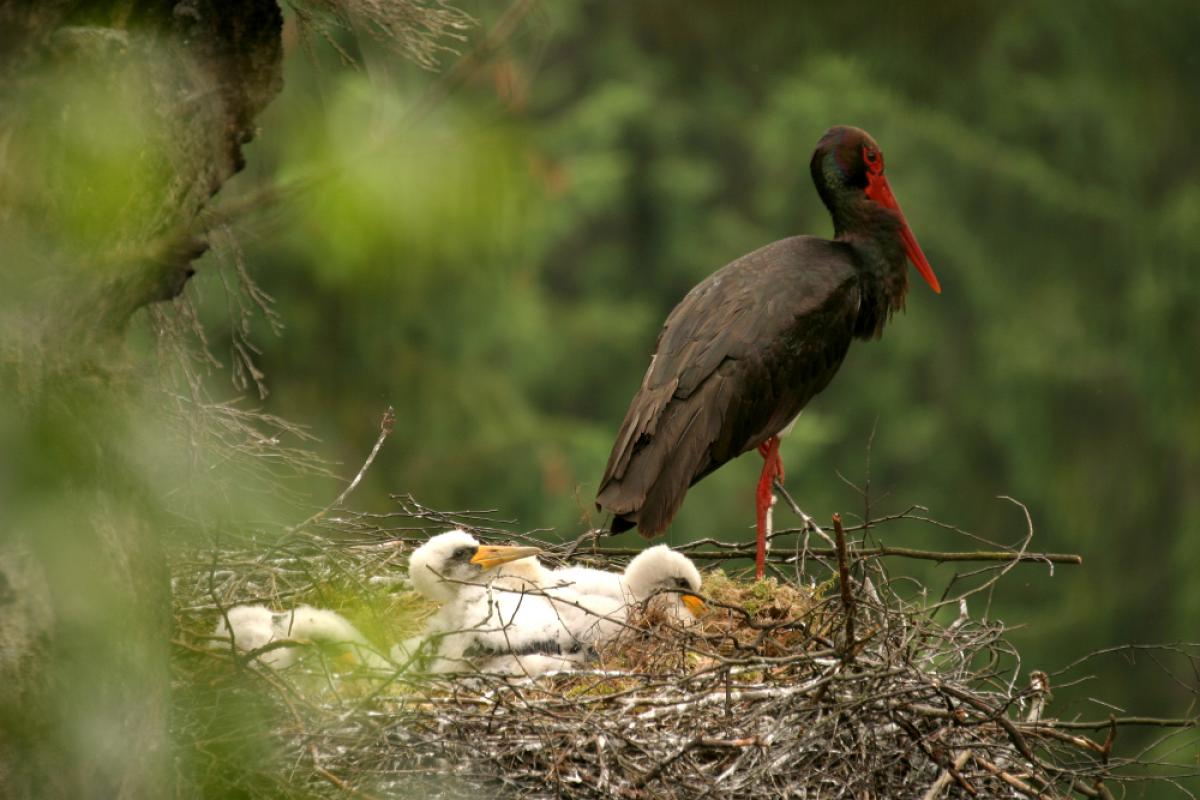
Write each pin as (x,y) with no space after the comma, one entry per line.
(386,424)
(844,582)
(865,554)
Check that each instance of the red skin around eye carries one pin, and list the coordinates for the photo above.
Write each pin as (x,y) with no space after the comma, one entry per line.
(879,191)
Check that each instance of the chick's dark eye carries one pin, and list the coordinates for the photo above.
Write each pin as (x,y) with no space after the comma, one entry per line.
(462,552)
(682,583)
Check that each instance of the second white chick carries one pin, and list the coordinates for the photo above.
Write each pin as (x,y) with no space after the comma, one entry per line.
(257,626)
(664,577)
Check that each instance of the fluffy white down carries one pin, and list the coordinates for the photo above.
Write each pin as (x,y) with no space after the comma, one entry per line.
(503,619)
(257,626)
(254,627)
(654,570)
(517,618)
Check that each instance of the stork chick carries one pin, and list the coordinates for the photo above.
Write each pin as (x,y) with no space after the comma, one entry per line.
(665,580)
(255,627)
(496,615)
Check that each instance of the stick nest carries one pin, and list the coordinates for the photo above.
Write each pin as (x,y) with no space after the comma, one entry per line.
(788,687)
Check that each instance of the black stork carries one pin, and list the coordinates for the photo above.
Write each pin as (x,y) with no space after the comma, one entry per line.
(748,347)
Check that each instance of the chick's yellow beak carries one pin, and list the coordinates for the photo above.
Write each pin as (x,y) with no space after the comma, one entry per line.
(694,604)
(492,556)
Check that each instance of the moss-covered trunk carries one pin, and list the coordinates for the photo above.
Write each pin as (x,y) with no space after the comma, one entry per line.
(118,122)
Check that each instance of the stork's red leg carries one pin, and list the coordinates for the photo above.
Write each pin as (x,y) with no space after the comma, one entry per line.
(772,469)
(769,450)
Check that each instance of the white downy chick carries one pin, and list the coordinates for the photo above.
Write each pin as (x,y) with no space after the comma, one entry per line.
(255,627)
(496,614)
(668,579)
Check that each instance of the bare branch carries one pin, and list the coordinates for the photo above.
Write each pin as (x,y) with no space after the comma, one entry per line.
(385,430)
(844,584)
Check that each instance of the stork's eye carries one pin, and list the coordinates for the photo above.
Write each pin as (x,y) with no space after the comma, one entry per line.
(462,552)
(873,158)
(682,583)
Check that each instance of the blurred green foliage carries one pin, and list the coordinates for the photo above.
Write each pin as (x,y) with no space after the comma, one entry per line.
(496,265)
(86,177)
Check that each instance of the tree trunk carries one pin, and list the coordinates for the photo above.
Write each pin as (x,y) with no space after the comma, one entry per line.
(118,122)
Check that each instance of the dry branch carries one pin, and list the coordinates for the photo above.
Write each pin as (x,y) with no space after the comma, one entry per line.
(386,425)
(844,584)
(866,553)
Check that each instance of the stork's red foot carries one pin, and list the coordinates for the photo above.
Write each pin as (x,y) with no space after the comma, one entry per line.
(772,469)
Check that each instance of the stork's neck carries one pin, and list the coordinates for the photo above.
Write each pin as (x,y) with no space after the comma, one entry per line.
(873,232)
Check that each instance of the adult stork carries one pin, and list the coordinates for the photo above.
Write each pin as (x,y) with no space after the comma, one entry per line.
(747,348)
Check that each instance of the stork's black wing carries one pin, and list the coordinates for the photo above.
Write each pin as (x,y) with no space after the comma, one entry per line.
(736,360)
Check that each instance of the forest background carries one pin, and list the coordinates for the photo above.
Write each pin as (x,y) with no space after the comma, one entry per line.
(492,251)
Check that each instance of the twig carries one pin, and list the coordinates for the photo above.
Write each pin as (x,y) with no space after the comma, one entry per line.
(865,553)
(451,79)
(948,775)
(1111,722)
(809,522)
(385,430)
(996,715)
(699,741)
(334,779)
(844,581)
(1013,781)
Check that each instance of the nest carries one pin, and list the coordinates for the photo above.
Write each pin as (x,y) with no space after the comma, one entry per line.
(829,679)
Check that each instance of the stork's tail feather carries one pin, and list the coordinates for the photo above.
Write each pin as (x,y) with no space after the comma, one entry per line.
(649,522)
(620,524)
(657,474)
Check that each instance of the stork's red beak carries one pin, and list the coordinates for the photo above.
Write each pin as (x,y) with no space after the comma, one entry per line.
(879,191)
